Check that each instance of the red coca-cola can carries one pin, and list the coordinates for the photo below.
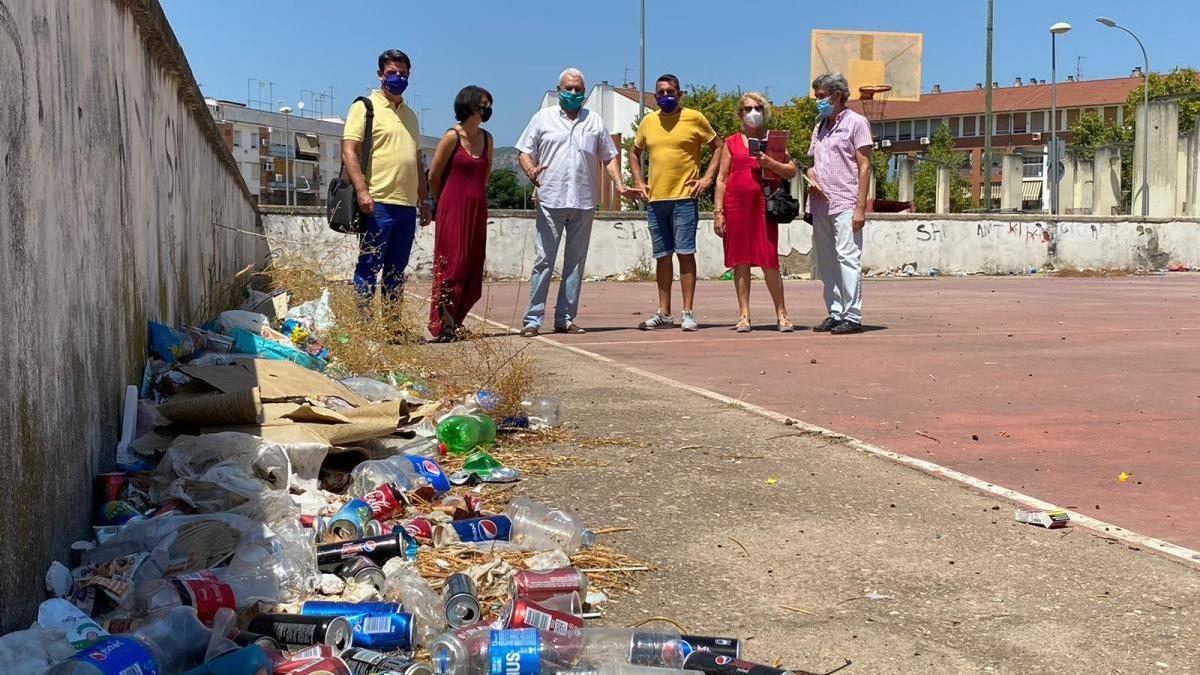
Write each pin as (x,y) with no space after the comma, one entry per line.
(325,665)
(522,613)
(385,501)
(419,529)
(108,487)
(312,652)
(539,585)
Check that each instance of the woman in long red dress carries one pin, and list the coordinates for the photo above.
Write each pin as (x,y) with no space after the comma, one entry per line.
(458,177)
(740,207)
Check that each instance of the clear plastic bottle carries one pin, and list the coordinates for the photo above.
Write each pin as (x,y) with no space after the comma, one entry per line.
(396,470)
(622,669)
(535,651)
(405,585)
(542,411)
(537,527)
(173,643)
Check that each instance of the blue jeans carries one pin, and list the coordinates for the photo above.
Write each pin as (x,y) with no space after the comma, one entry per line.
(385,247)
(551,223)
(672,225)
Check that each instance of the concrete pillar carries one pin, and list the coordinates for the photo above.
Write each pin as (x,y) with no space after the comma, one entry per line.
(1106,181)
(1066,186)
(904,174)
(1191,189)
(1163,172)
(1081,190)
(941,202)
(1012,174)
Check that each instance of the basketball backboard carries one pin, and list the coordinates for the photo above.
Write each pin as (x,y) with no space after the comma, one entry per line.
(870,58)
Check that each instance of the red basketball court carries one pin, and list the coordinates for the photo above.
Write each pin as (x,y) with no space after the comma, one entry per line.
(1049,386)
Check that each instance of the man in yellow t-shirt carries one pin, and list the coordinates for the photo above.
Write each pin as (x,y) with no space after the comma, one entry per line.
(675,137)
(395,187)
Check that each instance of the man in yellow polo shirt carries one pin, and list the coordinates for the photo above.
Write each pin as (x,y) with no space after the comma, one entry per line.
(675,137)
(395,188)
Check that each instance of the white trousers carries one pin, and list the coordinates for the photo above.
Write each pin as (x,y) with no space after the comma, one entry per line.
(839,260)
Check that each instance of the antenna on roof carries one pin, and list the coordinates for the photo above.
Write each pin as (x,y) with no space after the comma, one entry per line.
(1079,67)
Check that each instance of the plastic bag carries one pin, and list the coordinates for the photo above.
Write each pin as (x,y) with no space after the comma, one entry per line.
(315,313)
(218,472)
(245,342)
(168,344)
(373,390)
(236,319)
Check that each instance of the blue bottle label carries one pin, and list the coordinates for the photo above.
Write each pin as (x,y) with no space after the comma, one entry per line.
(431,471)
(118,656)
(483,529)
(514,652)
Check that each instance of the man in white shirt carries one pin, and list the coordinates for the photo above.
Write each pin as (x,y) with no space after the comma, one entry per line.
(561,151)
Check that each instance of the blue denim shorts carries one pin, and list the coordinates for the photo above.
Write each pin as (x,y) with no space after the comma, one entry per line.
(673,226)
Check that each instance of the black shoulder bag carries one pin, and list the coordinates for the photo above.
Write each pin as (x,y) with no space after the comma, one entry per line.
(782,207)
(341,202)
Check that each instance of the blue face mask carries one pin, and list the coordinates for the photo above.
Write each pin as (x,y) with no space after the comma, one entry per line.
(395,84)
(824,108)
(570,101)
(667,104)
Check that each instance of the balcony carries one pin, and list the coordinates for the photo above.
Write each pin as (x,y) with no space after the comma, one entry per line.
(281,150)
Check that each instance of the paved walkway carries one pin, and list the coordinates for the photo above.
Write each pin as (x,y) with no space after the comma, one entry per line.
(1051,387)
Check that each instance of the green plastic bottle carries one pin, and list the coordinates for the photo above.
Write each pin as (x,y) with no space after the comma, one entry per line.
(487,429)
(459,433)
(727,276)
(480,463)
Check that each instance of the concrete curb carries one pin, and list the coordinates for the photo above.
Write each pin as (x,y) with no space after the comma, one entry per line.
(1187,556)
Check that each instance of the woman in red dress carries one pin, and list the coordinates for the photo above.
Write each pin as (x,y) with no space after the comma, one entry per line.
(740,208)
(458,177)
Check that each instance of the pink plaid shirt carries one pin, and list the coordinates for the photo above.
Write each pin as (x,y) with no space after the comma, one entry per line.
(833,150)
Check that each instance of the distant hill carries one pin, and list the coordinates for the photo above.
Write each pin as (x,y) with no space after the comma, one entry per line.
(506,159)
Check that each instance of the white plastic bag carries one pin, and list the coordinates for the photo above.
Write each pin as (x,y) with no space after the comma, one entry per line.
(315,313)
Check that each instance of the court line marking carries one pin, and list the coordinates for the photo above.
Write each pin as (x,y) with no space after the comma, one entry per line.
(1102,528)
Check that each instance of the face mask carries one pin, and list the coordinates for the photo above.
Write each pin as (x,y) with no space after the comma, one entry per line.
(753,119)
(485,114)
(570,101)
(395,83)
(824,108)
(667,103)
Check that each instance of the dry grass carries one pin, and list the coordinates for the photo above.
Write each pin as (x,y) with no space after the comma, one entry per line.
(1089,273)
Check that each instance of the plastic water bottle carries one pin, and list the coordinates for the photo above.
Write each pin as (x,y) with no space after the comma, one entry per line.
(542,411)
(171,644)
(528,651)
(537,527)
(405,585)
(395,470)
(487,429)
(459,433)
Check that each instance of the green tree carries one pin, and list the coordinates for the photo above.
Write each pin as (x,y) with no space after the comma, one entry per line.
(941,153)
(884,188)
(505,191)
(1178,81)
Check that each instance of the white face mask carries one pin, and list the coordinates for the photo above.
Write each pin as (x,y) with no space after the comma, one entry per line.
(753,119)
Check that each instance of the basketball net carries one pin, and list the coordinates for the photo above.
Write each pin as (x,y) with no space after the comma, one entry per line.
(873,99)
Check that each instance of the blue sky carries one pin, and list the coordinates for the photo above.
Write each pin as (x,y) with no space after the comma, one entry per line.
(516,48)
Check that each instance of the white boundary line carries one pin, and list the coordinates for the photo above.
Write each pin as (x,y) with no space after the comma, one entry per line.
(1178,553)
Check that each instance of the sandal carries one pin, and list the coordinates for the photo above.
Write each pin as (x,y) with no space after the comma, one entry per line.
(743,324)
(785,324)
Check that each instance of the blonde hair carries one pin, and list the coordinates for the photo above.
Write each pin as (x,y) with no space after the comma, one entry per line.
(759,99)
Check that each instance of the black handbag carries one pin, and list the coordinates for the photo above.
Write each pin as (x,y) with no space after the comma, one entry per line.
(342,202)
(782,207)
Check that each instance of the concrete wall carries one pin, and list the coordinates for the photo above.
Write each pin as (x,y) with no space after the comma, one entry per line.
(114,181)
(1000,244)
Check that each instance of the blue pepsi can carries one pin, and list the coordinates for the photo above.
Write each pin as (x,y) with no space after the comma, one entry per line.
(430,471)
(351,520)
(514,652)
(485,529)
(375,625)
(117,655)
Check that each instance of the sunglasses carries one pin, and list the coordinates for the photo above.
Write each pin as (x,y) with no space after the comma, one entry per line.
(748,108)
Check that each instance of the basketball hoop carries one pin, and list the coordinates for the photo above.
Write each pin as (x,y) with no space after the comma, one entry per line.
(873,99)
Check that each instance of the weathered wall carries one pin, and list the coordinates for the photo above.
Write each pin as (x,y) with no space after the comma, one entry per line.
(620,245)
(113,180)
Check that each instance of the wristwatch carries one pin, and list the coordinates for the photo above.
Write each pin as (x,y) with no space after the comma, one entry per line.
(721,211)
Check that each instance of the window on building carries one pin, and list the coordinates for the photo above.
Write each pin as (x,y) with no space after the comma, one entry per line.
(1020,123)
(921,129)
(1037,121)
(968,126)
(1072,116)
(1032,165)
(1004,123)
(1110,114)
(268,167)
(889,130)
(237,138)
(905,132)
(876,130)
(954,127)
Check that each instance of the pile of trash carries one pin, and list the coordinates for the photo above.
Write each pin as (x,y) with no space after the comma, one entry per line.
(268,518)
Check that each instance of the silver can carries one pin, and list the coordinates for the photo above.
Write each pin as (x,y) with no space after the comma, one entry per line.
(460,602)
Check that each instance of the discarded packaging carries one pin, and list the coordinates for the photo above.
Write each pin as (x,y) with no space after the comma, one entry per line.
(1048,519)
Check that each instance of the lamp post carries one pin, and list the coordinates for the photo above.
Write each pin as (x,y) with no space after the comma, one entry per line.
(642,65)
(1146,107)
(1055,30)
(287,165)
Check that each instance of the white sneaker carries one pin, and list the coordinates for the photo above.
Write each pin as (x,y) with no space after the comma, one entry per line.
(659,320)
(688,322)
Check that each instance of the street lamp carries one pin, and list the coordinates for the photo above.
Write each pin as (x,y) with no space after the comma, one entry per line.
(1146,107)
(287,170)
(1057,29)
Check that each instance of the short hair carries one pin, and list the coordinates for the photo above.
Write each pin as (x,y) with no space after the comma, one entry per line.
(571,72)
(759,99)
(469,98)
(833,82)
(667,77)
(394,56)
